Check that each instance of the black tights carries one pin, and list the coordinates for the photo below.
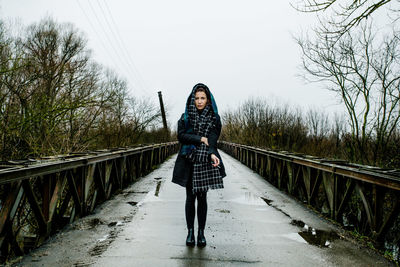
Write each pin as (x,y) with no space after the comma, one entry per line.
(190,209)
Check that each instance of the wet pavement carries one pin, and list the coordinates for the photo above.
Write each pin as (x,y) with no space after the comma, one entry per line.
(249,223)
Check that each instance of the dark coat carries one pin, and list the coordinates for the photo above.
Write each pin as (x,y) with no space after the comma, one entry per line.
(183,167)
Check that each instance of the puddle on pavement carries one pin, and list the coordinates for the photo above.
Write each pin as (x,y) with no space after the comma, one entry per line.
(266,200)
(269,203)
(199,261)
(314,236)
(136,192)
(223,211)
(280,210)
(152,196)
(157,188)
(295,237)
(87,224)
(118,223)
(249,199)
(309,234)
(133,203)
(104,238)
(111,224)
(129,192)
(82,264)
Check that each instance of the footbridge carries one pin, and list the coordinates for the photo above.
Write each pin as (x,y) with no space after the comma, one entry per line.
(119,207)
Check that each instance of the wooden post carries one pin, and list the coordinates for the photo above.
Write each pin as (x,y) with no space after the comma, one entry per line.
(291,183)
(164,119)
(329,181)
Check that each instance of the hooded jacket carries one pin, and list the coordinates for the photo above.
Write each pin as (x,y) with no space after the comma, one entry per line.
(183,166)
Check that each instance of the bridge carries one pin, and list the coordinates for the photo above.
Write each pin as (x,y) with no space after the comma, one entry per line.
(111,208)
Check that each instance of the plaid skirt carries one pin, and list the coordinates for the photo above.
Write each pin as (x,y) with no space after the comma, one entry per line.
(206,176)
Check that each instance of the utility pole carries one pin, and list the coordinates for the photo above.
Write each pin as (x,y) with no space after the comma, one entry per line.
(164,119)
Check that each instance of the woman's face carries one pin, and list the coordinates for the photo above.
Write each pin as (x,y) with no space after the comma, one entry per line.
(200,100)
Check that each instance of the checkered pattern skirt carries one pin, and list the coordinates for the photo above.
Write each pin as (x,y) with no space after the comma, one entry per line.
(206,176)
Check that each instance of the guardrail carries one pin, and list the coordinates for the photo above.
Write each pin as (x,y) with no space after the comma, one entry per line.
(359,197)
(37,197)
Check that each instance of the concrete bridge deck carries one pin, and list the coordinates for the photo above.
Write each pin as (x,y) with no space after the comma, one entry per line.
(249,223)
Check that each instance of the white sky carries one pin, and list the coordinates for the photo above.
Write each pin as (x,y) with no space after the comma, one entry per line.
(239,48)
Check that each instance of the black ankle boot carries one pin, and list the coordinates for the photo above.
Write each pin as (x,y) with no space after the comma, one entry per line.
(190,238)
(201,240)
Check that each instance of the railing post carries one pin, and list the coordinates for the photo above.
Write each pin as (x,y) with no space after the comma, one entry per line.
(291,182)
(330,185)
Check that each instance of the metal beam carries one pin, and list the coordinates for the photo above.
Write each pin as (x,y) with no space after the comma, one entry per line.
(21,173)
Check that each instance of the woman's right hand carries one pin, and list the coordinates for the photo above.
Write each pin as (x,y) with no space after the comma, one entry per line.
(204,140)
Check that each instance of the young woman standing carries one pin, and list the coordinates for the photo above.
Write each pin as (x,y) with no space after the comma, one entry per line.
(198,166)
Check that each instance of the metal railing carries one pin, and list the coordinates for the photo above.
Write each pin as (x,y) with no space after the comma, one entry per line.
(40,196)
(363,198)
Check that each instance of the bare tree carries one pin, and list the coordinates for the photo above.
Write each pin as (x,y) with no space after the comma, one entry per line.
(364,76)
(126,117)
(55,99)
(13,97)
(51,50)
(85,99)
(344,15)
(387,114)
(5,57)
(142,115)
(318,123)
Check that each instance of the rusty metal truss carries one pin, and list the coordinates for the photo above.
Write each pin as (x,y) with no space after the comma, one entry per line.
(362,198)
(38,197)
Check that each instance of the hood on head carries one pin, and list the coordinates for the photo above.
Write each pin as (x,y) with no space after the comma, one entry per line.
(190,100)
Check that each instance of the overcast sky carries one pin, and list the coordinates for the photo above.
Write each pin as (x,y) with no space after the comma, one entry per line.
(239,48)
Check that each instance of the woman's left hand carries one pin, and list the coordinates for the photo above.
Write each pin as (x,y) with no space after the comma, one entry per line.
(214,160)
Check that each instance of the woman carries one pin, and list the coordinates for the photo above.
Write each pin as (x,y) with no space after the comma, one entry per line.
(198,166)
